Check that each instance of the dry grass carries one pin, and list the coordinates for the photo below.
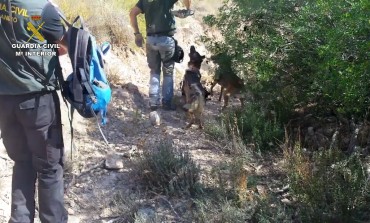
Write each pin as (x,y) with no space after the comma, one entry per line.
(328,185)
(108,22)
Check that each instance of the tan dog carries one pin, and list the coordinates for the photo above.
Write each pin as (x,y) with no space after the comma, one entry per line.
(195,107)
(229,81)
(231,85)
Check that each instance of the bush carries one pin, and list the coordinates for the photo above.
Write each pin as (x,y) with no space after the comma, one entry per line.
(168,170)
(216,130)
(218,211)
(292,52)
(254,126)
(231,180)
(271,210)
(329,186)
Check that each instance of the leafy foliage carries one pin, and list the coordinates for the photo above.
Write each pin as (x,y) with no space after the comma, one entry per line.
(292,52)
(255,125)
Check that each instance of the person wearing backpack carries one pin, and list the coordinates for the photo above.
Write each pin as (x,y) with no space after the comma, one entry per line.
(30,116)
(160,46)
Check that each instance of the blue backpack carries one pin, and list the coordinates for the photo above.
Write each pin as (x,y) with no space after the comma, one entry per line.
(87,88)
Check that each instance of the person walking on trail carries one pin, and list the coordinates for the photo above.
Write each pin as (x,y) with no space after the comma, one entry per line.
(30,116)
(160,46)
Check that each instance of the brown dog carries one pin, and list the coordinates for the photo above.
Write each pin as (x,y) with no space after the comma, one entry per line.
(195,107)
(230,83)
(192,74)
(229,86)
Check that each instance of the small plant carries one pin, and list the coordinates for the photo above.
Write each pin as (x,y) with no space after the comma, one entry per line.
(254,127)
(137,115)
(215,210)
(168,170)
(216,130)
(272,210)
(330,186)
(125,206)
(114,75)
(231,179)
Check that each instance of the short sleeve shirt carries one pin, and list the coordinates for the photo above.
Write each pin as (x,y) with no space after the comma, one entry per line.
(158,16)
(140,3)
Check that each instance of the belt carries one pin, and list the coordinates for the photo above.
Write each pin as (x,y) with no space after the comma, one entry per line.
(157,35)
(169,33)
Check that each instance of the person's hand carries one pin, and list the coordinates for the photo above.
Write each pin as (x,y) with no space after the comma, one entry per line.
(183,13)
(139,39)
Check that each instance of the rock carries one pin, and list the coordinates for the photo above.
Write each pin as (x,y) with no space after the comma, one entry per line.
(73,219)
(176,142)
(133,149)
(132,152)
(113,162)
(286,201)
(259,169)
(283,190)
(154,118)
(71,211)
(145,215)
(261,190)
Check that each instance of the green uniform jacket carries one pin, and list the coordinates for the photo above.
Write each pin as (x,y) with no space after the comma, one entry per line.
(16,77)
(158,16)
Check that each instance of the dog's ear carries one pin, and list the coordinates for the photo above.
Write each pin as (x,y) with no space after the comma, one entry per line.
(192,49)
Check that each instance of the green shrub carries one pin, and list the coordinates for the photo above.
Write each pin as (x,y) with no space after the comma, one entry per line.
(254,126)
(230,180)
(272,210)
(168,170)
(216,130)
(329,186)
(292,52)
(218,211)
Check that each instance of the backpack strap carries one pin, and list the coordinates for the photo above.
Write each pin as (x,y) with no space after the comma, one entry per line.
(81,61)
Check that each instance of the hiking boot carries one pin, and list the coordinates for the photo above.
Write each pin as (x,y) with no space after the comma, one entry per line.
(169,107)
(154,107)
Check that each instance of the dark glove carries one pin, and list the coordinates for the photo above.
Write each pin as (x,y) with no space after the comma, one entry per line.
(139,39)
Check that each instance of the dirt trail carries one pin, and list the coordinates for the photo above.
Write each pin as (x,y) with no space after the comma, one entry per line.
(91,188)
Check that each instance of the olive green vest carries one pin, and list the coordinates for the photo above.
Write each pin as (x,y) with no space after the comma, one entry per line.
(17,76)
(158,16)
